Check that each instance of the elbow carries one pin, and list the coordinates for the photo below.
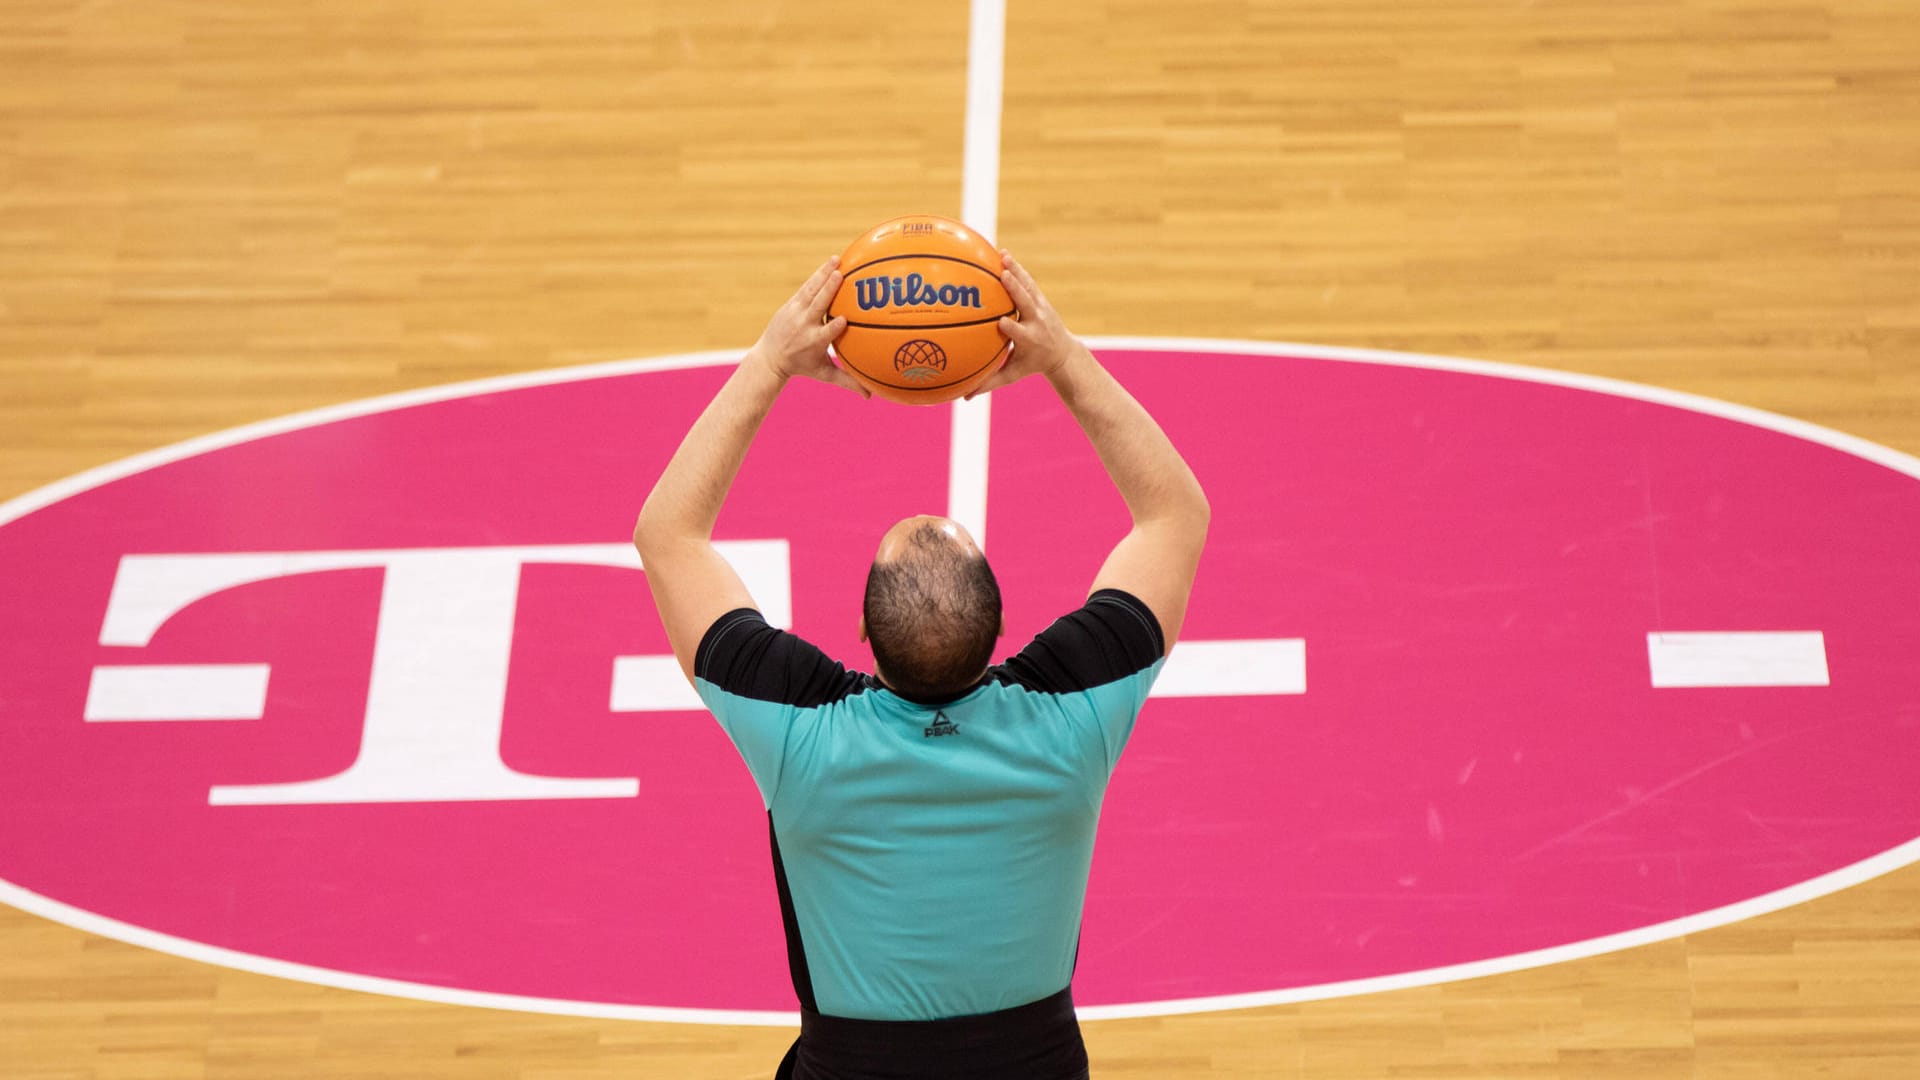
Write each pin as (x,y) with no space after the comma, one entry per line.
(646,530)
(1198,518)
(662,525)
(1185,518)
(1199,510)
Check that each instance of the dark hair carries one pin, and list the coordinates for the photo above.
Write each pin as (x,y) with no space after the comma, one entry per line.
(932,614)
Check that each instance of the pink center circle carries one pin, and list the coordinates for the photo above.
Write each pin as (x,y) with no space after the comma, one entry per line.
(1433,736)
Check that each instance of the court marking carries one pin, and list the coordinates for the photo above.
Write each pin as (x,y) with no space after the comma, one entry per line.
(1233,668)
(1737,658)
(651,683)
(119,693)
(980,210)
(1813,888)
(968,499)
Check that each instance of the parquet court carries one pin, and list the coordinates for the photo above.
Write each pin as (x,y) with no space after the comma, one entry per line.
(216,215)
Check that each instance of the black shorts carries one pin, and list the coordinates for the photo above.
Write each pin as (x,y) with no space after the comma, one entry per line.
(1036,1041)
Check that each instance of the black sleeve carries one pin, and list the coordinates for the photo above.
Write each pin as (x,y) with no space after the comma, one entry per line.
(743,655)
(1112,636)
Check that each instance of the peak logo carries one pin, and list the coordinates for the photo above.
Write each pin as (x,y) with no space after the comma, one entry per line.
(376,697)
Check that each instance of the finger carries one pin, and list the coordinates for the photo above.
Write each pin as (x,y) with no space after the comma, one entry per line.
(830,330)
(1009,371)
(1022,296)
(818,283)
(1018,332)
(839,376)
(804,297)
(994,382)
(822,300)
(1020,274)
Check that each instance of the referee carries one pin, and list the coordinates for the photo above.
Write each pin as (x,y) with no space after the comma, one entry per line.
(932,823)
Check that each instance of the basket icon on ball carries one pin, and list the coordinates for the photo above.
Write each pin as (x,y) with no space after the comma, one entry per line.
(920,359)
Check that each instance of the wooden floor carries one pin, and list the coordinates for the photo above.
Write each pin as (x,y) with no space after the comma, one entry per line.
(217,213)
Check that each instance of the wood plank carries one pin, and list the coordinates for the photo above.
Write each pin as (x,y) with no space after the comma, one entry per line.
(213,214)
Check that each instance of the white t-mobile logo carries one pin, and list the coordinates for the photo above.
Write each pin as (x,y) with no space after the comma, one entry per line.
(436,702)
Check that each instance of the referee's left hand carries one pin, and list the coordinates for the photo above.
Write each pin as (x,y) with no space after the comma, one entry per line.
(795,341)
(1042,344)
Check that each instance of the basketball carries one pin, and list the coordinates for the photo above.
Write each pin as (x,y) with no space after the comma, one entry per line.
(922,299)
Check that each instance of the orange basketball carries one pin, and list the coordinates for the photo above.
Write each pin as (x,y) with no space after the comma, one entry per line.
(922,298)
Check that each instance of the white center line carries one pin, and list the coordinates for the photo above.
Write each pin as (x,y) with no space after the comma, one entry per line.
(980,209)
(1196,668)
(980,160)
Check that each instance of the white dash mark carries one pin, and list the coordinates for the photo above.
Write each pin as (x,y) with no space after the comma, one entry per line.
(177,692)
(651,684)
(1229,668)
(1747,658)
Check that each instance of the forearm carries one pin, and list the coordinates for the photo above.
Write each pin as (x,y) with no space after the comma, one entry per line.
(687,498)
(1152,477)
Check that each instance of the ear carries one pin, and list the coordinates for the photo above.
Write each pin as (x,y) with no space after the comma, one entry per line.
(1002,632)
(863,628)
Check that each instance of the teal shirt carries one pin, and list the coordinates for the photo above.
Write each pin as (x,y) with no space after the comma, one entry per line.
(932,858)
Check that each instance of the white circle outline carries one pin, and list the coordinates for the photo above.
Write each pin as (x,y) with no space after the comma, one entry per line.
(80,919)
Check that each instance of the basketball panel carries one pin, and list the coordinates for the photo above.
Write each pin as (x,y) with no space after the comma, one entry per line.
(921,367)
(920,232)
(921,290)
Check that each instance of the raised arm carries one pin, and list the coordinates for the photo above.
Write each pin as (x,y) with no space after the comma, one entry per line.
(1157,559)
(692,584)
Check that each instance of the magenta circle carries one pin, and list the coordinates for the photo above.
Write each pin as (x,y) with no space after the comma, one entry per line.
(1479,767)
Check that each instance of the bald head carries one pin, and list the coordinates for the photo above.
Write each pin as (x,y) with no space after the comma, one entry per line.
(932,609)
(906,536)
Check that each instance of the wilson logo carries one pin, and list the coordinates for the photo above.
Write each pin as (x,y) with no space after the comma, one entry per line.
(912,291)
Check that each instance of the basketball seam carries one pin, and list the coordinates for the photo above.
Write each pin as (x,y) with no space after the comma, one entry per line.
(938,386)
(994,274)
(1007,314)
